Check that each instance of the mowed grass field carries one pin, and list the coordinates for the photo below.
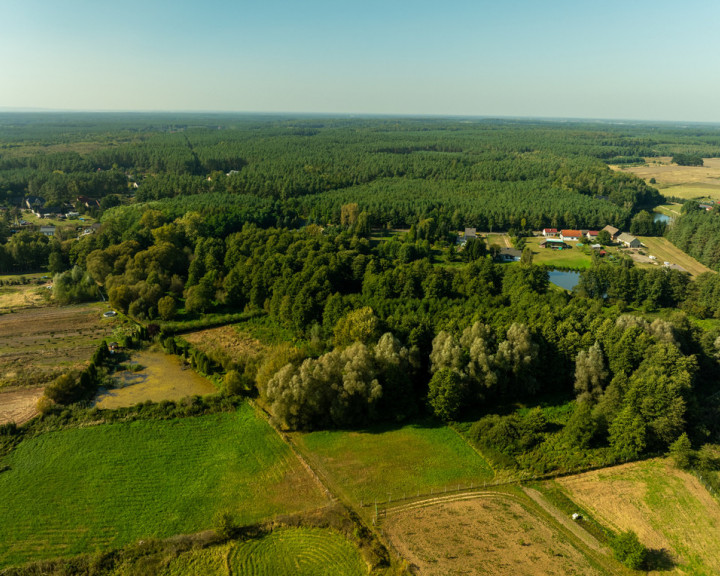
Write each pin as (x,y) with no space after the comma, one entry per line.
(572,258)
(668,508)
(672,179)
(283,552)
(665,251)
(84,489)
(374,464)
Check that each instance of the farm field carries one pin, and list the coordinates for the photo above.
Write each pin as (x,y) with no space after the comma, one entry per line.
(668,508)
(393,462)
(668,252)
(681,181)
(18,404)
(572,258)
(282,552)
(39,344)
(86,489)
(492,534)
(14,297)
(162,377)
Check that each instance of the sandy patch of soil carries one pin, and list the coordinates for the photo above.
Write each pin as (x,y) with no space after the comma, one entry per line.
(18,404)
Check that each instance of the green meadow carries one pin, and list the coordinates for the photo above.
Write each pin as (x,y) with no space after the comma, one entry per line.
(86,489)
(372,464)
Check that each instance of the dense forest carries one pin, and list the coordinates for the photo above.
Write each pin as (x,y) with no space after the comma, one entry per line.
(281,217)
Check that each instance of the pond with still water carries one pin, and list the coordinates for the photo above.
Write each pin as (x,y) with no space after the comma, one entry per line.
(567,279)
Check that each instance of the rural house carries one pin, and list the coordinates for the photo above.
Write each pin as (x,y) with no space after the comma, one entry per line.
(592,234)
(570,235)
(47,230)
(614,232)
(550,232)
(629,241)
(509,255)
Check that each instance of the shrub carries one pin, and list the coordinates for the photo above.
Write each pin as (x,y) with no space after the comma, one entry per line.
(629,550)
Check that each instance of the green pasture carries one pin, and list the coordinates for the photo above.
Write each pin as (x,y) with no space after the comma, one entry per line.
(696,191)
(575,257)
(86,489)
(396,461)
(283,552)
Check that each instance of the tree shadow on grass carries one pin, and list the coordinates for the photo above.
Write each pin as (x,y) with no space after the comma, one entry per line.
(659,559)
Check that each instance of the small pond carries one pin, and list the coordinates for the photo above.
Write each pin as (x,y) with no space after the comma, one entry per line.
(567,279)
(659,217)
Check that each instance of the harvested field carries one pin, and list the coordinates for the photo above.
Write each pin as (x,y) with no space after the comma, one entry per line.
(14,298)
(226,341)
(491,534)
(39,344)
(18,404)
(668,508)
(704,180)
(668,252)
(163,377)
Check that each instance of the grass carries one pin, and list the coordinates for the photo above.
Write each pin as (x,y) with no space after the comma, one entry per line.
(668,508)
(693,191)
(575,257)
(372,464)
(668,252)
(297,552)
(86,489)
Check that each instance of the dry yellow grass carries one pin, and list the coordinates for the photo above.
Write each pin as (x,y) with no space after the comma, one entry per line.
(680,181)
(493,534)
(25,296)
(163,377)
(226,341)
(665,251)
(19,405)
(668,508)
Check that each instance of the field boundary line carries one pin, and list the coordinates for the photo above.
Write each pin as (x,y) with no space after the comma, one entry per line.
(288,441)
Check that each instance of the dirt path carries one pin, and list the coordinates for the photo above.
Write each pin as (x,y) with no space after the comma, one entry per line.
(588,539)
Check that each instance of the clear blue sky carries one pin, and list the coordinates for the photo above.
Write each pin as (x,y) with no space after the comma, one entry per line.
(614,59)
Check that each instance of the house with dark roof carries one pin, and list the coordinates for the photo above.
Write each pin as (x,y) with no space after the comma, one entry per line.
(509,255)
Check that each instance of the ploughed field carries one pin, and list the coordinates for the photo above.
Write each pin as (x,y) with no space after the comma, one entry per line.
(85,489)
(39,344)
(18,404)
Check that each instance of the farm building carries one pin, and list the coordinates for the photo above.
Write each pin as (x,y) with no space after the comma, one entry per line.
(570,235)
(614,232)
(550,232)
(554,244)
(629,241)
(47,230)
(470,233)
(509,255)
(592,234)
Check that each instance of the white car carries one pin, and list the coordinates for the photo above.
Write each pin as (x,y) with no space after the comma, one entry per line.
(110,314)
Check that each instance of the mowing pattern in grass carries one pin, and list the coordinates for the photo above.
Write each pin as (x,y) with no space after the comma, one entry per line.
(84,489)
(403,461)
(297,552)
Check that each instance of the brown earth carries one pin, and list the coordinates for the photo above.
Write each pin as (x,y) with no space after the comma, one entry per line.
(18,404)
(670,510)
(39,344)
(491,534)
